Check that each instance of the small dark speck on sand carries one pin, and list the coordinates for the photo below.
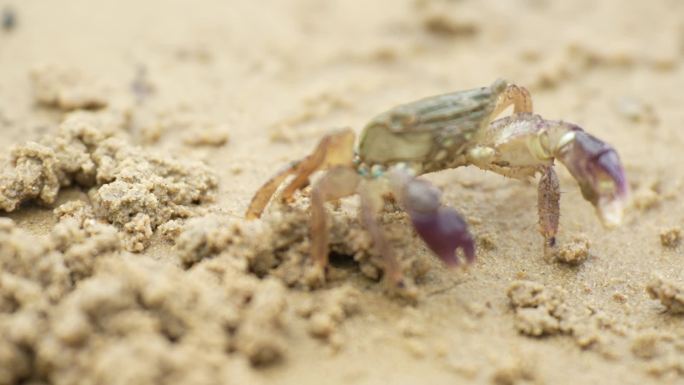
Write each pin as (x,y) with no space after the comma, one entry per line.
(9,19)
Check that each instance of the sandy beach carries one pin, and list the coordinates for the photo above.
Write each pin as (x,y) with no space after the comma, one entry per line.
(133,135)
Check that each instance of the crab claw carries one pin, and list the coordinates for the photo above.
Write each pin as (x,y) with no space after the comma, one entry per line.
(442,229)
(597,168)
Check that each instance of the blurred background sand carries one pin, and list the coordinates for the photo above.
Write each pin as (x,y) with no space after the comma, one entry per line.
(269,78)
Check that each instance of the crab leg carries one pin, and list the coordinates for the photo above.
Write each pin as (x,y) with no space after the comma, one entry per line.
(442,229)
(334,149)
(337,183)
(548,205)
(371,204)
(518,96)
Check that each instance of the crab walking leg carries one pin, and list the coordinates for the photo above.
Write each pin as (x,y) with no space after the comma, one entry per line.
(518,96)
(371,194)
(334,149)
(265,192)
(548,205)
(442,229)
(338,183)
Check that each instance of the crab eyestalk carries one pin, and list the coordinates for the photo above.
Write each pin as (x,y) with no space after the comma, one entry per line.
(596,167)
(442,229)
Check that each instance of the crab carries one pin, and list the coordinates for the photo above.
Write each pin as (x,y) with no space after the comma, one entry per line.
(443,132)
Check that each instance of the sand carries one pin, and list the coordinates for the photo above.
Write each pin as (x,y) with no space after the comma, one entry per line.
(133,135)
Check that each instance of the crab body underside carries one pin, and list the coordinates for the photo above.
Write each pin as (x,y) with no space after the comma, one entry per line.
(442,132)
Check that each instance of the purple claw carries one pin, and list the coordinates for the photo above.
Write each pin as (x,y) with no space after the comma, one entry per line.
(444,231)
(442,228)
(597,168)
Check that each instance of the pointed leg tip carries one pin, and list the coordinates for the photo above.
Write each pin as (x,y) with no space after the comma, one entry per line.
(316,276)
(551,242)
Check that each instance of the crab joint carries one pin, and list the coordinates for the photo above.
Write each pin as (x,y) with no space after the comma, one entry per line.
(538,145)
